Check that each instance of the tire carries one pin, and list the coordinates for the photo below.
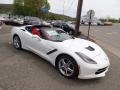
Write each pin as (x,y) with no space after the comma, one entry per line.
(17,42)
(67,67)
(71,32)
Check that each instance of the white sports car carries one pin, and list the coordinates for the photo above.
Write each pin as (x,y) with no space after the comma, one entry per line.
(73,57)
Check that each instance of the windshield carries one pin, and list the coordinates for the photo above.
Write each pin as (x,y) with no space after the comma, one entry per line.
(57,35)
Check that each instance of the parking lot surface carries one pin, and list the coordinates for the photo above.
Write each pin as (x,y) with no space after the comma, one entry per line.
(23,70)
(107,36)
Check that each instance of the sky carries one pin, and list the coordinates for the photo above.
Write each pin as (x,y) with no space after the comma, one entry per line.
(102,8)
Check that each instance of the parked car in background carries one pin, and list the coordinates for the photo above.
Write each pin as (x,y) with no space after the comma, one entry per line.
(2,19)
(108,23)
(31,22)
(99,23)
(66,27)
(95,21)
(46,23)
(28,20)
(1,24)
(14,21)
(8,21)
(18,21)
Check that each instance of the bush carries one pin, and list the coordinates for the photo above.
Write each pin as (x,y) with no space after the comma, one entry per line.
(110,20)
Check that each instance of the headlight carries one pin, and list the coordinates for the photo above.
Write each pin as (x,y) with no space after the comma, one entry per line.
(86,58)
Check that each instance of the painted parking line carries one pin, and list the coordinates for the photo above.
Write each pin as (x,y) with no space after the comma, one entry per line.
(109,33)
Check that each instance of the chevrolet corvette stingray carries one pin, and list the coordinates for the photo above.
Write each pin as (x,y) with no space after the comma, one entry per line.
(73,57)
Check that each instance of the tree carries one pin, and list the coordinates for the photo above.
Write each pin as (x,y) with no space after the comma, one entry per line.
(30,7)
(18,7)
(119,20)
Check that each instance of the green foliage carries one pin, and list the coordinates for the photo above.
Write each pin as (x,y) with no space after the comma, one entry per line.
(18,7)
(29,7)
(53,16)
(119,20)
(6,8)
(109,20)
(32,8)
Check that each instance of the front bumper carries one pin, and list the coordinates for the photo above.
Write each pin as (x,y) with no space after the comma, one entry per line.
(94,73)
(90,71)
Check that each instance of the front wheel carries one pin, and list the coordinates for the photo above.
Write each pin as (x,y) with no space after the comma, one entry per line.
(17,42)
(68,67)
(71,32)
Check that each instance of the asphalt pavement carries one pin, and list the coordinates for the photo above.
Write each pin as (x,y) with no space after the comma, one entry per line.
(106,36)
(23,70)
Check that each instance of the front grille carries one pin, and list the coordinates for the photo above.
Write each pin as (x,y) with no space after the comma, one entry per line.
(100,70)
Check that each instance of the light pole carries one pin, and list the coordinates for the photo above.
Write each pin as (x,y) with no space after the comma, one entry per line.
(78,17)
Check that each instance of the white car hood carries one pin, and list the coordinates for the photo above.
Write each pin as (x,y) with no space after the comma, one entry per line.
(81,45)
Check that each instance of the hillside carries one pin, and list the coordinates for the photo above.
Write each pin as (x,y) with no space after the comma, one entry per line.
(6,8)
(54,16)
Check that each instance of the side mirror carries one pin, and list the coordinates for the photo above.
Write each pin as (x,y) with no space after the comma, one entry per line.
(36,37)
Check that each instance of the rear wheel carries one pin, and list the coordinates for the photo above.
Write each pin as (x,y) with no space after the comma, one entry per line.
(17,42)
(68,67)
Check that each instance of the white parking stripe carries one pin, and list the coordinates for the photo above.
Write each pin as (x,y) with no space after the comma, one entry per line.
(109,33)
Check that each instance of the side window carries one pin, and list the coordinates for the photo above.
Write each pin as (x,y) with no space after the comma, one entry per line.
(29,29)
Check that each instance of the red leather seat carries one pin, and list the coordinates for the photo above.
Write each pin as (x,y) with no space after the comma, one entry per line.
(35,31)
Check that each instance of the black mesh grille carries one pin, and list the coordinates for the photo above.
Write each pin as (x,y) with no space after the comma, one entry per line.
(100,70)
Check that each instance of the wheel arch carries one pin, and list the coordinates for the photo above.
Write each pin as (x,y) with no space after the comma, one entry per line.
(62,54)
(15,35)
(77,71)
(18,37)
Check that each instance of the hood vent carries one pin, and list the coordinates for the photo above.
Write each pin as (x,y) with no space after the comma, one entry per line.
(90,48)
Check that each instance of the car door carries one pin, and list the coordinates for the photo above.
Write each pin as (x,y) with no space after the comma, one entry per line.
(42,47)
(26,38)
(37,45)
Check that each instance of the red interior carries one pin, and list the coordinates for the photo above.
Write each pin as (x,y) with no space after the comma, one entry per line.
(35,32)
